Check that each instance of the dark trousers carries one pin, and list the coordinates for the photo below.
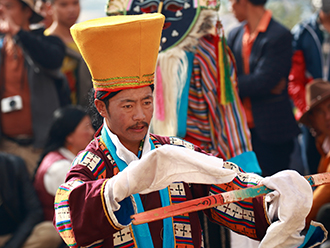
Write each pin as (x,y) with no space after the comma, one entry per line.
(312,155)
(272,158)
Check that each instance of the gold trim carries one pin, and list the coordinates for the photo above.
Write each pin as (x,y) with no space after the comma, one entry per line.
(128,78)
(170,196)
(133,237)
(265,210)
(104,207)
(120,84)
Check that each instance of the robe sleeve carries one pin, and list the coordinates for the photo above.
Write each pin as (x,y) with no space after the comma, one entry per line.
(82,217)
(248,217)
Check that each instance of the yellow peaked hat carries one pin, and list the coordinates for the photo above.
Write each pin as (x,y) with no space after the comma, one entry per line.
(120,51)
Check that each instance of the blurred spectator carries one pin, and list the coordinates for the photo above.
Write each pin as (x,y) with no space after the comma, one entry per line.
(31,86)
(65,14)
(21,216)
(263,51)
(311,60)
(71,131)
(44,8)
(317,117)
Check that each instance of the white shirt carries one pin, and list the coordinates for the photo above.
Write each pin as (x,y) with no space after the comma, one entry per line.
(56,173)
(326,145)
(122,152)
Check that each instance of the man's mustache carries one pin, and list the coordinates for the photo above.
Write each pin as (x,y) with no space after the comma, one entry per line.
(138,124)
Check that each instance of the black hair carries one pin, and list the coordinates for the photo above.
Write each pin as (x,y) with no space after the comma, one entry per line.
(97,119)
(257,2)
(44,1)
(24,5)
(64,122)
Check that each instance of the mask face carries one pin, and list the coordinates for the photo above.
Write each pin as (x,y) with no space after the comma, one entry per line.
(180,16)
(326,6)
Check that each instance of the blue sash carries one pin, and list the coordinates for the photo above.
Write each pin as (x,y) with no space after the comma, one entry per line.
(182,103)
(141,232)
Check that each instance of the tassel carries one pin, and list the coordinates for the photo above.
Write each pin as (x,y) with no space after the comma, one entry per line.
(160,106)
(225,89)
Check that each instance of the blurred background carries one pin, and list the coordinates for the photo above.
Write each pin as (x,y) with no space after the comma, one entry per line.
(91,9)
(288,12)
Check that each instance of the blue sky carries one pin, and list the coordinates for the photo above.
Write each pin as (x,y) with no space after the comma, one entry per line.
(91,9)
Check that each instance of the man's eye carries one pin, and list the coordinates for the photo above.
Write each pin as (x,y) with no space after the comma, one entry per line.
(127,106)
(173,7)
(150,8)
(318,112)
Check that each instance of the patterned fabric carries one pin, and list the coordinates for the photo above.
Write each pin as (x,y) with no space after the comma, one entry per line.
(183,238)
(237,216)
(64,225)
(122,83)
(124,237)
(62,212)
(239,212)
(222,129)
(182,226)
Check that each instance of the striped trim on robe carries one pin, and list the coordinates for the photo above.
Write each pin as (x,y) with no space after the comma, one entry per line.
(222,129)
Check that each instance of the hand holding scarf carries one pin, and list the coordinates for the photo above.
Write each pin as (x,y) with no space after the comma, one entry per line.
(162,166)
(289,205)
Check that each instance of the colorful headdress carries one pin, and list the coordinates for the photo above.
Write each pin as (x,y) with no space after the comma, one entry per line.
(181,16)
(120,51)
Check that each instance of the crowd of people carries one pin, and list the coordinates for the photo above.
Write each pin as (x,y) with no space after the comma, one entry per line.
(76,109)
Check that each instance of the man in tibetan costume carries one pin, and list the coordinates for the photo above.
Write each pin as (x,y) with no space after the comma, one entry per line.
(127,170)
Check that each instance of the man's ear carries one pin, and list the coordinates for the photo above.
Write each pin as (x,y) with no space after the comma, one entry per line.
(49,7)
(101,107)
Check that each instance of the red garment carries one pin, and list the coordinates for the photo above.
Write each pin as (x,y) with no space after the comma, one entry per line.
(247,44)
(82,217)
(14,81)
(297,83)
(46,199)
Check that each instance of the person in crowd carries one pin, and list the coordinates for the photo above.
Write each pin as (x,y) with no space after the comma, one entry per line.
(127,169)
(262,49)
(317,117)
(31,86)
(21,217)
(65,14)
(44,8)
(70,132)
(311,60)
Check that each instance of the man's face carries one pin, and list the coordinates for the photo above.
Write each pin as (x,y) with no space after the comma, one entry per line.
(320,117)
(239,9)
(14,10)
(44,9)
(129,115)
(66,12)
(325,7)
(82,134)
